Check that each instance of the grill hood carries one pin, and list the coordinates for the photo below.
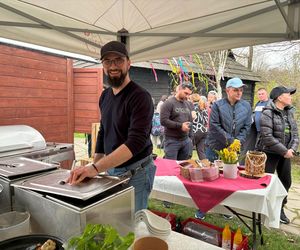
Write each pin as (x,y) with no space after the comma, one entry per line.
(20,137)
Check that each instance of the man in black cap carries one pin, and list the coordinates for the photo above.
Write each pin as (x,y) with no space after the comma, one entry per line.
(123,143)
(279,137)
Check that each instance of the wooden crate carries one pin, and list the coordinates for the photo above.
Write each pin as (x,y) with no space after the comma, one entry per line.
(94,134)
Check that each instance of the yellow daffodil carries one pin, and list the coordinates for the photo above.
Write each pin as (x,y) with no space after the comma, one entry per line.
(230,155)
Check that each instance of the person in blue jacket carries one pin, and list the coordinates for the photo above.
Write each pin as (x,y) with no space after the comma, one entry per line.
(230,119)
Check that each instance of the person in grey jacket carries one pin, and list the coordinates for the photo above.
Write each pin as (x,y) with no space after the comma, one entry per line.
(279,137)
(230,119)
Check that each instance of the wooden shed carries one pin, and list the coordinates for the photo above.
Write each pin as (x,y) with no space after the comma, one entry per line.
(143,73)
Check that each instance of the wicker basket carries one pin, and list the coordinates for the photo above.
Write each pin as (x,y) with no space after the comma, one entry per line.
(255,162)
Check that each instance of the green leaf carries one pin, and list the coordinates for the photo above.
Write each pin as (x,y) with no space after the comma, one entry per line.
(97,236)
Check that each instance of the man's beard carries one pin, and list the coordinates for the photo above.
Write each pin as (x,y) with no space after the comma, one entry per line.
(116,82)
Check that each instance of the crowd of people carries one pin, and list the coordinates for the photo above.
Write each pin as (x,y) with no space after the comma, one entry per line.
(182,121)
(209,124)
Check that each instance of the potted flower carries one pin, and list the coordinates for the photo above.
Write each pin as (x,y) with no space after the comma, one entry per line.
(230,157)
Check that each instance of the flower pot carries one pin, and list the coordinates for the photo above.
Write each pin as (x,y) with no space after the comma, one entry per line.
(230,171)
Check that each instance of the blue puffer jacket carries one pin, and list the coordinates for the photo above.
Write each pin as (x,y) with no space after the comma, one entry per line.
(227,123)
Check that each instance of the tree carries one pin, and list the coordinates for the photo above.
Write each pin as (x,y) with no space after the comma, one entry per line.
(218,62)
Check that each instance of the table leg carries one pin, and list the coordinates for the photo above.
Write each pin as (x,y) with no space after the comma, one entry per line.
(256,222)
(254,230)
(260,230)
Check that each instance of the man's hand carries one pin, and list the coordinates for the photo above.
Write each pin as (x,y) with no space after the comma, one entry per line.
(185,127)
(289,154)
(79,174)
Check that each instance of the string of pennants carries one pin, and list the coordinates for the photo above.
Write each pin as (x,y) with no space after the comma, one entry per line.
(182,67)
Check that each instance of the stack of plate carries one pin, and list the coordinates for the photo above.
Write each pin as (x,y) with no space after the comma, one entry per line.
(156,225)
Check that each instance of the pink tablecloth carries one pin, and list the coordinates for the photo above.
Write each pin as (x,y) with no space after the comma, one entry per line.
(208,194)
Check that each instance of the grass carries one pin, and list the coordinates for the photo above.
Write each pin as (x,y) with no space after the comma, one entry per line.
(296,170)
(79,135)
(274,239)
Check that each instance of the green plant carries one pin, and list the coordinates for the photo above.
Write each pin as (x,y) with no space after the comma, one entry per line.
(97,237)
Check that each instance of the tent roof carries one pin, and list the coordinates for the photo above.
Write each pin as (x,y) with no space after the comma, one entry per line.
(151,29)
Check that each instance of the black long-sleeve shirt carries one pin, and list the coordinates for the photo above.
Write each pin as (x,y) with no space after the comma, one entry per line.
(126,119)
(172,114)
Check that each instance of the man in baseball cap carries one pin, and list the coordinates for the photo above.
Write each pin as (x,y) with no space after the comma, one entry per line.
(123,144)
(234,83)
(234,90)
(278,91)
(230,119)
(279,138)
(114,47)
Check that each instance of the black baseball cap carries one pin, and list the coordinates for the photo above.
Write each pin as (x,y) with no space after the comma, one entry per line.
(277,91)
(114,47)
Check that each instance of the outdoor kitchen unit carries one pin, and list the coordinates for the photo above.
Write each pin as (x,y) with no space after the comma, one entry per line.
(23,140)
(63,210)
(24,152)
(17,168)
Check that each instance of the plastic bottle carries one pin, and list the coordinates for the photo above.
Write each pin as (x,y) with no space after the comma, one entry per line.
(237,240)
(226,237)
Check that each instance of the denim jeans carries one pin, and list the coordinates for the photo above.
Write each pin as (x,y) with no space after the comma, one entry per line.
(178,150)
(142,181)
(210,154)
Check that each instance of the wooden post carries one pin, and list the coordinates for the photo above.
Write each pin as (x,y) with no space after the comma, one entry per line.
(94,134)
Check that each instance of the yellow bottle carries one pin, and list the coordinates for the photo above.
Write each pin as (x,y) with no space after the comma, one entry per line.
(226,237)
(237,240)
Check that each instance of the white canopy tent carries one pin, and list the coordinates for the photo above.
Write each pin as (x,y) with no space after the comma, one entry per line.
(150,28)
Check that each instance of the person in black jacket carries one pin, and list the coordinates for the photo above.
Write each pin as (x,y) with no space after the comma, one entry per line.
(279,137)
(123,142)
(176,117)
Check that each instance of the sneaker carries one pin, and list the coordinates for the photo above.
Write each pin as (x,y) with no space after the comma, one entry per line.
(200,215)
(227,217)
(283,218)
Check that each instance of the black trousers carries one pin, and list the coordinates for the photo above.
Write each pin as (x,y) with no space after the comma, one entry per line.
(283,168)
(199,142)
